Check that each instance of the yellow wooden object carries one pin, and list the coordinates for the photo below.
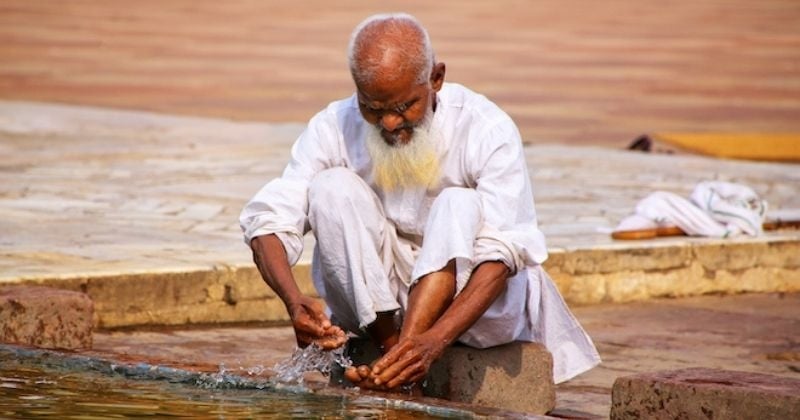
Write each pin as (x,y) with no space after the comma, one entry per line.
(754,146)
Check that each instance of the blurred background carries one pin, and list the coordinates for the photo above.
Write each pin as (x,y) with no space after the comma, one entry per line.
(568,71)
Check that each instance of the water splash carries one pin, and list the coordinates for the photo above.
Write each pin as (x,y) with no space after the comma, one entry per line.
(309,359)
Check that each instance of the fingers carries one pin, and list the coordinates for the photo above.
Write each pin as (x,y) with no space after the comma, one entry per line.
(390,358)
(360,377)
(309,320)
(330,342)
(397,369)
(410,374)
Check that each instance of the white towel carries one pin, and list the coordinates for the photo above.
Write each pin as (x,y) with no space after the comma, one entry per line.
(717,209)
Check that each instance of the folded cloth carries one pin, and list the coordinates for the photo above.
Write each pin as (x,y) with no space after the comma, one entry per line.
(717,209)
(735,206)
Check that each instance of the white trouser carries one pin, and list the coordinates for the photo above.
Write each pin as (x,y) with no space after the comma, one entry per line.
(362,267)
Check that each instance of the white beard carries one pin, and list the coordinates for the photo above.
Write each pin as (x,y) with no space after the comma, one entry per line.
(411,165)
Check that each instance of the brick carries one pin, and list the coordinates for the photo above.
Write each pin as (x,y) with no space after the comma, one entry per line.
(700,393)
(45,317)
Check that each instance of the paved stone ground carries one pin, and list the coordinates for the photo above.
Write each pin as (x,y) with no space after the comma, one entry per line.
(751,332)
(567,70)
(88,192)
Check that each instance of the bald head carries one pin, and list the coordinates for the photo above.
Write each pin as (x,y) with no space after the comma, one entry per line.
(390,47)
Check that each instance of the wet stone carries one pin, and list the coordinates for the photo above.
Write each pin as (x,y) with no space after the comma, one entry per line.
(516,376)
(45,317)
(700,393)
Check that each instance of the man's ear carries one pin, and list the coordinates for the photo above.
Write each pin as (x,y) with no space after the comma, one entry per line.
(437,76)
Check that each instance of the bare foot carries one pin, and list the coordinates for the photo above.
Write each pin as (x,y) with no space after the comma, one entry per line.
(361,377)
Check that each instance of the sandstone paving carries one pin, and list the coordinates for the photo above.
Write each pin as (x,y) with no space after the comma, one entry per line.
(87,191)
(139,211)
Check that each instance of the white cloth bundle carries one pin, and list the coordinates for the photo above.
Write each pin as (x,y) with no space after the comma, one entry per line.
(717,209)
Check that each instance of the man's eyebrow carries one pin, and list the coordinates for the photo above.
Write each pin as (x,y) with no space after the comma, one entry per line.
(398,107)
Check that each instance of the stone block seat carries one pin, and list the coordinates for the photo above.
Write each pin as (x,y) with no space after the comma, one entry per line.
(516,376)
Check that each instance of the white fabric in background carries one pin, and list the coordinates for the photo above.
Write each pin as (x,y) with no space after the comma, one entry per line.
(736,207)
(716,209)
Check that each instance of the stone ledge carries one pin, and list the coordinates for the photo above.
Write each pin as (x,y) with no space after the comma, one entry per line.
(516,376)
(45,317)
(622,272)
(705,393)
(642,270)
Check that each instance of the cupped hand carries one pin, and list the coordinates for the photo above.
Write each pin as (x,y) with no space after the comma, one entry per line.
(311,325)
(408,361)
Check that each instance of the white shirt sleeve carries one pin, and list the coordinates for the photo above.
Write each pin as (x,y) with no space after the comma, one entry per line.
(510,233)
(281,206)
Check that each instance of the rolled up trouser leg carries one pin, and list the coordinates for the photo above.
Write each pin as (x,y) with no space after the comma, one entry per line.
(353,253)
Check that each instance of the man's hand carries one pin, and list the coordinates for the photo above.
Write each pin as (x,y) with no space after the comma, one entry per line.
(408,361)
(310,323)
(312,326)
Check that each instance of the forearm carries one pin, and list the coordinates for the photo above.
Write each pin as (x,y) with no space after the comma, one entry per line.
(270,258)
(411,358)
(487,282)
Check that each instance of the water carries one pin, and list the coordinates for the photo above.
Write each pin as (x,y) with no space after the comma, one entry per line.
(39,384)
(309,359)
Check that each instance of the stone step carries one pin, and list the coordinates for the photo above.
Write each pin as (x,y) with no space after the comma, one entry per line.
(700,393)
(45,317)
(516,376)
(595,274)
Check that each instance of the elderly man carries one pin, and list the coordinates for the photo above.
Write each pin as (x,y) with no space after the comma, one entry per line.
(418,195)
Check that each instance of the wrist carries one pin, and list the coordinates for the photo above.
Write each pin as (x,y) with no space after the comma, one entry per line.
(439,337)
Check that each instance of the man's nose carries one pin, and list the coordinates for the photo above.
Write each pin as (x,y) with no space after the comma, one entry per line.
(391,121)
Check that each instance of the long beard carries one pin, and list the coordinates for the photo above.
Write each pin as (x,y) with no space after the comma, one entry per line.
(411,165)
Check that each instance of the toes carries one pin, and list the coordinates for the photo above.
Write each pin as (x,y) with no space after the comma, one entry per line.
(363,371)
(352,375)
(359,376)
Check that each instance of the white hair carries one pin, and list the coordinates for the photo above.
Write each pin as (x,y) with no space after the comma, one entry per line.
(418,52)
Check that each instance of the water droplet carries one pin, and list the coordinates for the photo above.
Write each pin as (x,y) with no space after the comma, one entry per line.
(309,359)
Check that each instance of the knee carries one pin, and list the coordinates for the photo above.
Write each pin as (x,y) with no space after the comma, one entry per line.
(332,187)
(460,200)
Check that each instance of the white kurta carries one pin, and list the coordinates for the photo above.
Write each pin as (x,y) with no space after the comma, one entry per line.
(479,148)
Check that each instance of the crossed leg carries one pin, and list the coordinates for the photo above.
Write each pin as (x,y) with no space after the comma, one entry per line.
(428,299)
